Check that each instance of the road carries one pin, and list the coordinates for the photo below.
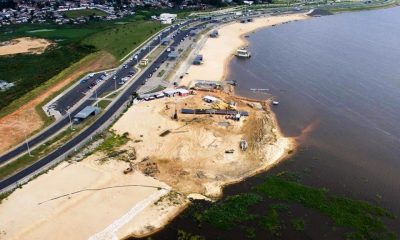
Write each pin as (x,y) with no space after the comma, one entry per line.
(76,94)
(126,96)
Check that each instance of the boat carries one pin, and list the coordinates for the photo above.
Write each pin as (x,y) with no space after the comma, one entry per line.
(243,53)
(275,103)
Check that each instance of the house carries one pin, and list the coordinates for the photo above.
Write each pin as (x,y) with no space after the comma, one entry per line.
(167,18)
(180,92)
(85,113)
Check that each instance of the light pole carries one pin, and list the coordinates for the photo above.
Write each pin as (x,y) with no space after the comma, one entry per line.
(70,120)
(26,142)
(97,103)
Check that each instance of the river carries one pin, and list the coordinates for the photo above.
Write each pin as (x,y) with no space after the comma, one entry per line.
(337,79)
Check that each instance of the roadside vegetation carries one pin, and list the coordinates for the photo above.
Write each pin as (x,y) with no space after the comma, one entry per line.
(281,205)
(44,149)
(71,43)
(112,142)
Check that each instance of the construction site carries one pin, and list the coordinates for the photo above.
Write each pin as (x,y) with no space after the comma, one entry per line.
(199,143)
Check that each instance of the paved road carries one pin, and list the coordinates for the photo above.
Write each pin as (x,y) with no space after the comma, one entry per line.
(75,95)
(126,96)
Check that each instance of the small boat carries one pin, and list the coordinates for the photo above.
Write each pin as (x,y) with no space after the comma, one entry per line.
(275,103)
(243,53)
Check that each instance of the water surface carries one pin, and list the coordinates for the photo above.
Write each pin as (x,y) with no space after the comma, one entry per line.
(338,82)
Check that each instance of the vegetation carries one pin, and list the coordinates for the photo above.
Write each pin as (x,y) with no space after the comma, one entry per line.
(270,207)
(71,43)
(43,149)
(104,103)
(182,235)
(85,13)
(23,69)
(298,224)
(361,216)
(121,39)
(112,142)
(231,211)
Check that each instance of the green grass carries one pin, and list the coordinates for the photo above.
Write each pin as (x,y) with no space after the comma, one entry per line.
(298,224)
(361,216)
(24,70)
(231,211)
(84,13)
(121,39)
(271,223)
(112,142)
(161,73)
(358,219)
(104,103)
(43,87)
(72,43)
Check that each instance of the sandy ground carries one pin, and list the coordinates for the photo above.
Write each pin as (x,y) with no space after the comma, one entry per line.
(218,51)
(29,213)
(24,45)
(195,147)
(26,119)
(187,154)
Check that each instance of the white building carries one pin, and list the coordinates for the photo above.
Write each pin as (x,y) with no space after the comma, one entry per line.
(167,18)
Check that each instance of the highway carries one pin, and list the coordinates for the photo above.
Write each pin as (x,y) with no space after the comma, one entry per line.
(125,97)
(76,94)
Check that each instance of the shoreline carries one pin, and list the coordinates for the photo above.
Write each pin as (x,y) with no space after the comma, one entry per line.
(265,167)
(151,219)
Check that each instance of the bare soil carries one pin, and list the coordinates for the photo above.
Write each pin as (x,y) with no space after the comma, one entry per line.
(24,45)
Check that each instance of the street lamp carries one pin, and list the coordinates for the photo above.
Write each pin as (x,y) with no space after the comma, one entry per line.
(26,142)
(70,120)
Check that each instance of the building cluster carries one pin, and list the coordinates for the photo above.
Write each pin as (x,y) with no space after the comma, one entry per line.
(56,12)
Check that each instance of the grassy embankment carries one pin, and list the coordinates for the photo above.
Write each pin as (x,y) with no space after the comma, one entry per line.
(370,6)
(72,44)
(272,208)
(84,13)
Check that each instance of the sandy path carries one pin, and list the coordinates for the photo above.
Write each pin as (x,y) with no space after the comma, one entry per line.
(24,45)
(25,118)
(217,52)
(93,214)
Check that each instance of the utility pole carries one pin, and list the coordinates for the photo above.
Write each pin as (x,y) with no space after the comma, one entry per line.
(70,120)
(27,143)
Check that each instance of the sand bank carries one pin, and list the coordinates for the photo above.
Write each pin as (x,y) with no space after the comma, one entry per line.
(30,212)
(24,45)
(218,51)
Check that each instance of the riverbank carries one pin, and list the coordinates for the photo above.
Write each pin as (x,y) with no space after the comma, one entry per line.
(217,52)
(186,155)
